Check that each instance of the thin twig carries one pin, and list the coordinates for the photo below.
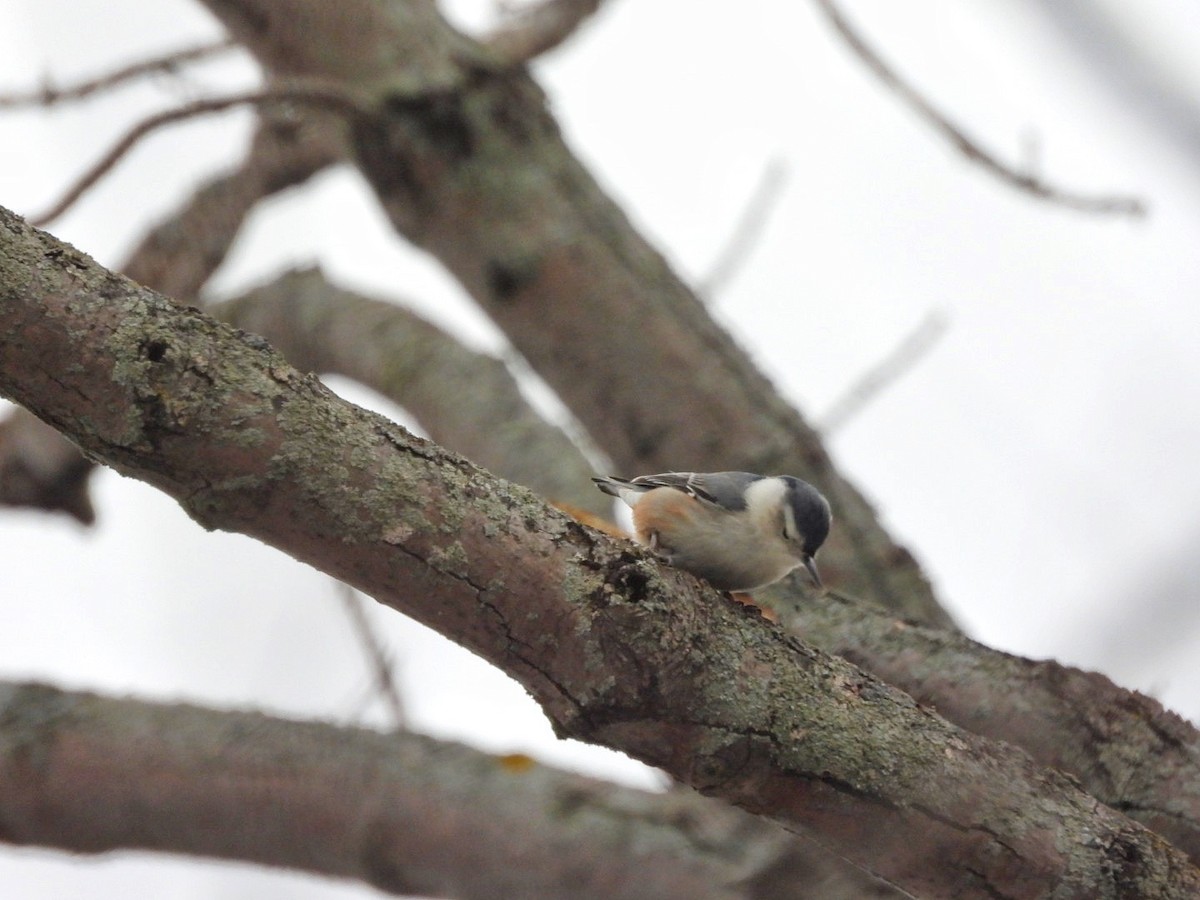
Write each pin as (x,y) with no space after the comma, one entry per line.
(533,30)
(381,666)
(1024,181)
(747,230)
(49,95)
(886,372)
(305,94)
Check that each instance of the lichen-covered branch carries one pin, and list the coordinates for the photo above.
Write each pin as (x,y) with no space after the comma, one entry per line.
(615,648)
(1071,720)
(1124,748)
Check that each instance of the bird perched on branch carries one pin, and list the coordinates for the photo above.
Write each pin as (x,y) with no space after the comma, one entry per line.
(736,530)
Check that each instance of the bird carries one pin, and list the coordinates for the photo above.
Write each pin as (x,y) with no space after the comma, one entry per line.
(737,530)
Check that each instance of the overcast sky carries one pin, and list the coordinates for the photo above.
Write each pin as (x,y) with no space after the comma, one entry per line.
(1040,461)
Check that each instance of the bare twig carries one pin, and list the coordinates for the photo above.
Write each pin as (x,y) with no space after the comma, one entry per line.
(886,372)
(747,230)
(1023,181)
(49,95)
(531,31)
(381,666)
(313,95)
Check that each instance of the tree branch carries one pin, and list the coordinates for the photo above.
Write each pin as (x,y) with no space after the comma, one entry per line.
(40,469)
(616,649)
(1125,749)
(886,372)
(1070,720)
(179,254)
(746,230)
(383,675)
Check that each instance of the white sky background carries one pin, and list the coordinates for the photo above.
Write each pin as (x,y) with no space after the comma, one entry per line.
(1041,461)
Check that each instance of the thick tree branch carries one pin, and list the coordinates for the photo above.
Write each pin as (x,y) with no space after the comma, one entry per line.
(464,400)
(469,165)
(404,812)
(1125,749)
(1071,720)
(616,649)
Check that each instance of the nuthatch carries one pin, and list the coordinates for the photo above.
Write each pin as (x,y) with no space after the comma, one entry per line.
(736,530)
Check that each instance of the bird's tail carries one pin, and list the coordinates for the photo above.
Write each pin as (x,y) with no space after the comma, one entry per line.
(621,488)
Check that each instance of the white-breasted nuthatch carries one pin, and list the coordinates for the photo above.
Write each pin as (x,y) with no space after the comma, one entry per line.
(736,530)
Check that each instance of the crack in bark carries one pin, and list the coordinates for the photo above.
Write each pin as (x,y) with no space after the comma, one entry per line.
(513,648)
(985,881)
(845,787)
(512,643)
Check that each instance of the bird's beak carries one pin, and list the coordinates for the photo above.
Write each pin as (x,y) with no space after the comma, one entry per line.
(811,564)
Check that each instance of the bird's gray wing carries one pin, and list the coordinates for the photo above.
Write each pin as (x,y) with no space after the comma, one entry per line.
(724,489)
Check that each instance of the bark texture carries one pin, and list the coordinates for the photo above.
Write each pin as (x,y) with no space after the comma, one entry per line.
(1124,748)
(616,649)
